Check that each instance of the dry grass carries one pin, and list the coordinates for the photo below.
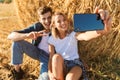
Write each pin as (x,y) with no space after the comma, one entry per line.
(7,10)
(8,23)
(101,55)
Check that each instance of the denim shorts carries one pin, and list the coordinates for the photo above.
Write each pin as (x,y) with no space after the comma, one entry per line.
(69,64)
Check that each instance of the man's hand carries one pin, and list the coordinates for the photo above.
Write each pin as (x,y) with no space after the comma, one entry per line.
(35,35)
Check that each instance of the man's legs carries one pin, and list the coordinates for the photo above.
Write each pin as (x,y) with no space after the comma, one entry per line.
(20,47)
(43,57)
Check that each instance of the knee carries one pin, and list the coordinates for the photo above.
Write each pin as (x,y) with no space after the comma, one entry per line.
(17,43)
(57,58)
(69,77)
(72,77)
(74,74)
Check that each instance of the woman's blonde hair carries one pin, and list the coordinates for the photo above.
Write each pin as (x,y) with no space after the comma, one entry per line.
(54,31)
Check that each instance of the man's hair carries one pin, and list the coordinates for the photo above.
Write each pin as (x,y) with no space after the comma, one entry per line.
(44,9)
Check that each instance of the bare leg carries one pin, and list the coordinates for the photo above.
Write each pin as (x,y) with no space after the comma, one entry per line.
(57,67)
(74,74)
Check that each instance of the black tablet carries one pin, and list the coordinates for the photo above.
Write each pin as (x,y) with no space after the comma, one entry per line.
(87,22)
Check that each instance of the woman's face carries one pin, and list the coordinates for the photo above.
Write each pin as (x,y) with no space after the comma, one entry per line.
(60,22)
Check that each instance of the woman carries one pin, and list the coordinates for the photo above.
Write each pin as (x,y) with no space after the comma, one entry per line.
(64,63)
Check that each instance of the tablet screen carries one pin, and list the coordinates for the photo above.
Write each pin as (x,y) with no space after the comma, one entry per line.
(87,22)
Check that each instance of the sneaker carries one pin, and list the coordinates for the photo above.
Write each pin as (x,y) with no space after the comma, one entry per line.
(17,75)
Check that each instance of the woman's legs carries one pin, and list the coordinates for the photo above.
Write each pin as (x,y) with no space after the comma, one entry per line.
(57,66)
(74,74)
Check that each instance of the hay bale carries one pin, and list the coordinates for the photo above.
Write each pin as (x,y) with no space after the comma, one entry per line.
(26,10)
(27,13)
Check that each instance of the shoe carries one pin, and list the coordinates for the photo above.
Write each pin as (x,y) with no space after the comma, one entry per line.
(17,75)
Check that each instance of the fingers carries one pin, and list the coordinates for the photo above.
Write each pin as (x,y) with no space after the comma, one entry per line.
(42,33)
(108,23)
(107,16)
(37,34)
(34,35)
(103,13)
(96,10)
(52,77)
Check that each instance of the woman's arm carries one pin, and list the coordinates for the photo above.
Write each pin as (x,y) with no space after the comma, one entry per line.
(52,52)
(88,35)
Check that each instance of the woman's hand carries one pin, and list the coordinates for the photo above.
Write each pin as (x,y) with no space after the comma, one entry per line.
(88,35)
(51,76)
(106,20)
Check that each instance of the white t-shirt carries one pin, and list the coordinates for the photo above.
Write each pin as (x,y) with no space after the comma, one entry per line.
(67,46)
(44,43)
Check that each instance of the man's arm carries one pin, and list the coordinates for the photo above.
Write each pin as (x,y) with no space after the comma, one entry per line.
(16,36)
(21,34)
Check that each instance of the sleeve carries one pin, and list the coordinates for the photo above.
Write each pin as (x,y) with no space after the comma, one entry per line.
(35,27)
(74,35)
(51,40)
(27,30)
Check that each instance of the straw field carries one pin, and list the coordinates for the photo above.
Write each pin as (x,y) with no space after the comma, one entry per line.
(101,55)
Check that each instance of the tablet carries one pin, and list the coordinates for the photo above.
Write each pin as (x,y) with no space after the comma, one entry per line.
(87,22)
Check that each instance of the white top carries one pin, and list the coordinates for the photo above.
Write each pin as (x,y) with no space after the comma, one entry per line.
(67,46)
(44,43)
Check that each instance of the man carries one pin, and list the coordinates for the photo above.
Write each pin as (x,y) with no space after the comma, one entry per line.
(39,33)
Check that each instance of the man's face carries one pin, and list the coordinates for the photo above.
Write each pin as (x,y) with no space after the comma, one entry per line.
(45,19)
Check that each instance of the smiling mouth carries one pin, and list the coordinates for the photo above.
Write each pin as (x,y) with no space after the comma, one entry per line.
(64,26)
(47,26)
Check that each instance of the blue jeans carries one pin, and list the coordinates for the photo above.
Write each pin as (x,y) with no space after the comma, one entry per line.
(20,47)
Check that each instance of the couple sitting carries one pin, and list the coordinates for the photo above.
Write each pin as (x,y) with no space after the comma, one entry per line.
(56,50)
